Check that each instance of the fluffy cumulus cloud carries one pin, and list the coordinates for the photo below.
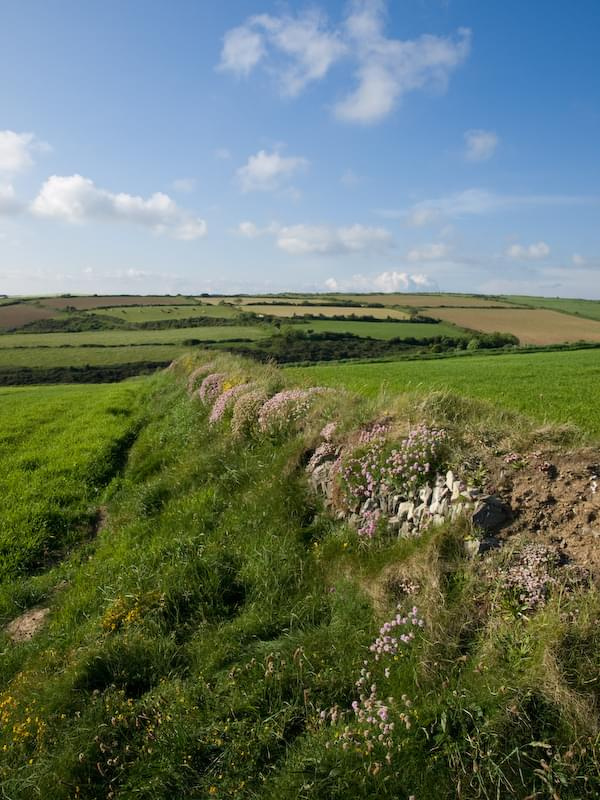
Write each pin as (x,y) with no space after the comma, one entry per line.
(301,49)
(480,145)
(299,240)
(428,252)
(389,281)
(75,199)
(268,171)
(530,252)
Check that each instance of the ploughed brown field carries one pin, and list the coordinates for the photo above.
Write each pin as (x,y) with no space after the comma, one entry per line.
(14,316)
(107,301)
(327,311)
(531,326)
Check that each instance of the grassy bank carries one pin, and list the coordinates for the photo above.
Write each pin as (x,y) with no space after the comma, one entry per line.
(209,640)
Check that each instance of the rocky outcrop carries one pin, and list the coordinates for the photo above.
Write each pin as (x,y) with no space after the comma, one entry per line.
(445,498)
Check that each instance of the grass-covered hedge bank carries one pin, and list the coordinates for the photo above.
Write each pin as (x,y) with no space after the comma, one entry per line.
(222,636)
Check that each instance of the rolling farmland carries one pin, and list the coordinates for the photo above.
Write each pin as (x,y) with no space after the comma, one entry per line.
(82,303)
(326,311)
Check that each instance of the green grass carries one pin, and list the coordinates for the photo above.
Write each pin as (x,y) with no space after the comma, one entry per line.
(117,337)
(82,356)
(558,387)
(59,446)
(386,330)
(147,313)
(583,308)
(191,645)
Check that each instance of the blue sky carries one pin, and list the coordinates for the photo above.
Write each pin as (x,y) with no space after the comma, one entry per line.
(263,146)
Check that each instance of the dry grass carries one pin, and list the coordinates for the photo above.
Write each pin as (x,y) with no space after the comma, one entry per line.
(532,326)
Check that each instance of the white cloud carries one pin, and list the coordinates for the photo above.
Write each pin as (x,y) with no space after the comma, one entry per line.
(243,48)
(308,47)
(578,260)
(322,239)
(267,171)
(185,185)
(480,145)
(390,68)
(17,149)
(327,240)
(301,49)
(478,202)
(428,252)
(532,252)
(74,199)
(389,281)
(249,230)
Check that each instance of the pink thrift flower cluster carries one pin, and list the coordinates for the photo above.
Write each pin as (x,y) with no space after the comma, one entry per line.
(328,431)
(211,387)
(532,577)
(286,408)
(420,454)
(369,725)
(389,640)
(245,412)
(225,400)
(195,376)
(373,469)
(378,430)
(368,522)
(322,453)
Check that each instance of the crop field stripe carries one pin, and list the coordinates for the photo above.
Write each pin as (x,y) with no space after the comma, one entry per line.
(385,330)
(531,326)
(108,301)
(590,309)
(134,337)
(558,387)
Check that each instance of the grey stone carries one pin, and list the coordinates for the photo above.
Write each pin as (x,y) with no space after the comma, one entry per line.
(437,519)
(449,479)
(490,514)
(425,494)
(443,507)
(405,510)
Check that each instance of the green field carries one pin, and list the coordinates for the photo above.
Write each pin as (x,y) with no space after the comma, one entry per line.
(120,338)
(90,356)
(59,446)
(558,387)
(386,330)
(582,308)
(150,313)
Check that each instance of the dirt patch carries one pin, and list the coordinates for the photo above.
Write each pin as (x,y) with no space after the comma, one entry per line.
(555,499)
(24,628)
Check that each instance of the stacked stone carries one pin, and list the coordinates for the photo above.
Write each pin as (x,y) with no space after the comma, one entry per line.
(445,499)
